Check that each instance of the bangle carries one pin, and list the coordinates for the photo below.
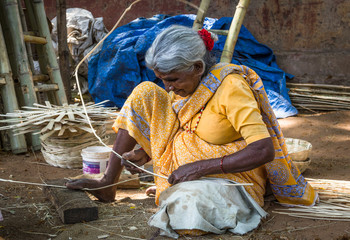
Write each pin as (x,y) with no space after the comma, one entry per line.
(221,164)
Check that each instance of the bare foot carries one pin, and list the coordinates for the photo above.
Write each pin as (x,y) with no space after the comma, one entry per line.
(151,191)
(103,195)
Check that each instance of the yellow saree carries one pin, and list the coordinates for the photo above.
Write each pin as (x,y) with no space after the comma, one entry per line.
(158,124)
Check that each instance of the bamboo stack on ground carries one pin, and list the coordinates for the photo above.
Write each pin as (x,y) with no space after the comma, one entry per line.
(334,202)
(319,97)
(64,130)
(18,143)
(18,56)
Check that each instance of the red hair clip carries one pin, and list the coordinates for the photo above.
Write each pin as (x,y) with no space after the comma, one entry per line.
(206,36)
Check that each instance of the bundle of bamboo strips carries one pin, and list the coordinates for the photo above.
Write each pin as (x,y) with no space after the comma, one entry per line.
(64,130)
(319,97)
(325,210)
(334,203)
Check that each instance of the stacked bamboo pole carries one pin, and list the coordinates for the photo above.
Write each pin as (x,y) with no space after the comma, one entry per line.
(19,57)
(319,97)
(18,143)
(52,65)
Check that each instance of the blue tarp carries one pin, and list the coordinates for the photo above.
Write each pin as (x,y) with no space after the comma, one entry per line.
(120,66)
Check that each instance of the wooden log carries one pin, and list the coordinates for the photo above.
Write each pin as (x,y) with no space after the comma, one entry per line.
(63,51)
(233,32)
(72,206)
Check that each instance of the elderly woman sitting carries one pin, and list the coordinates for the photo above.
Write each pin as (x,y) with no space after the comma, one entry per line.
(211,127)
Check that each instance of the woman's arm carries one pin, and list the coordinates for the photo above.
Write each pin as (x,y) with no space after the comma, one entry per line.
(254,155)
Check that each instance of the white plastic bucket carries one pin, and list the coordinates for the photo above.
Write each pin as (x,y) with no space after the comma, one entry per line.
(95,159)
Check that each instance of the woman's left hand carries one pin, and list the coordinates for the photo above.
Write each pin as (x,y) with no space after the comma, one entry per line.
(187,172)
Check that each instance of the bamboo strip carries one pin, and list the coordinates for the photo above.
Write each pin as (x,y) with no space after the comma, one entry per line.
(326,107)
(46,117)
(310,100)
(321,103)
(320,91)
(314,85)
(345,99)
(319,97)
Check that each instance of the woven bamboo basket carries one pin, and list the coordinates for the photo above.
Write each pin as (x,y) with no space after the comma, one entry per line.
(299,150)
(65,151)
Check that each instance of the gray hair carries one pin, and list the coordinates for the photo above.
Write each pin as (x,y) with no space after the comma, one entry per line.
(178,48)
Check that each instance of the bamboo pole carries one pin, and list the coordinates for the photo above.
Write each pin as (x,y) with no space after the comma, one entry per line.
(18,143)
(52,65)
(21,65)
(25,29)
(41,58)
(46,87)
(233,32)
(218,31)
(34,39)
(63,52)
(203,8)
(41,78)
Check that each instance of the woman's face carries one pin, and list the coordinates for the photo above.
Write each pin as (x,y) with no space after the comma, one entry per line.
(182,83)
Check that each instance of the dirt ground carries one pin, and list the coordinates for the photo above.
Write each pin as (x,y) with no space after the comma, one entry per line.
(28,215)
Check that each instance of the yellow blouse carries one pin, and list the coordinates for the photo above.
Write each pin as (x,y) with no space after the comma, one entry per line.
(231,113)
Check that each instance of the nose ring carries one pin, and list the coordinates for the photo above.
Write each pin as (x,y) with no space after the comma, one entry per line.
(171,88)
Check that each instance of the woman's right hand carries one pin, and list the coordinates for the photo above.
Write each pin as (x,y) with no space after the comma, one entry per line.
(138,157)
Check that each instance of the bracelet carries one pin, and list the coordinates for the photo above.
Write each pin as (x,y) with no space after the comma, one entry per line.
(221,164)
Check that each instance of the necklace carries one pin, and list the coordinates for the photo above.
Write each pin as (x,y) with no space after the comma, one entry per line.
(188,125)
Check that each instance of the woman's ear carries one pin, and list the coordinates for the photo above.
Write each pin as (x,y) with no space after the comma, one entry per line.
(199,68)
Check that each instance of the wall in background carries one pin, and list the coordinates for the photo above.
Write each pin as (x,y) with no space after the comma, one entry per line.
(311,38)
